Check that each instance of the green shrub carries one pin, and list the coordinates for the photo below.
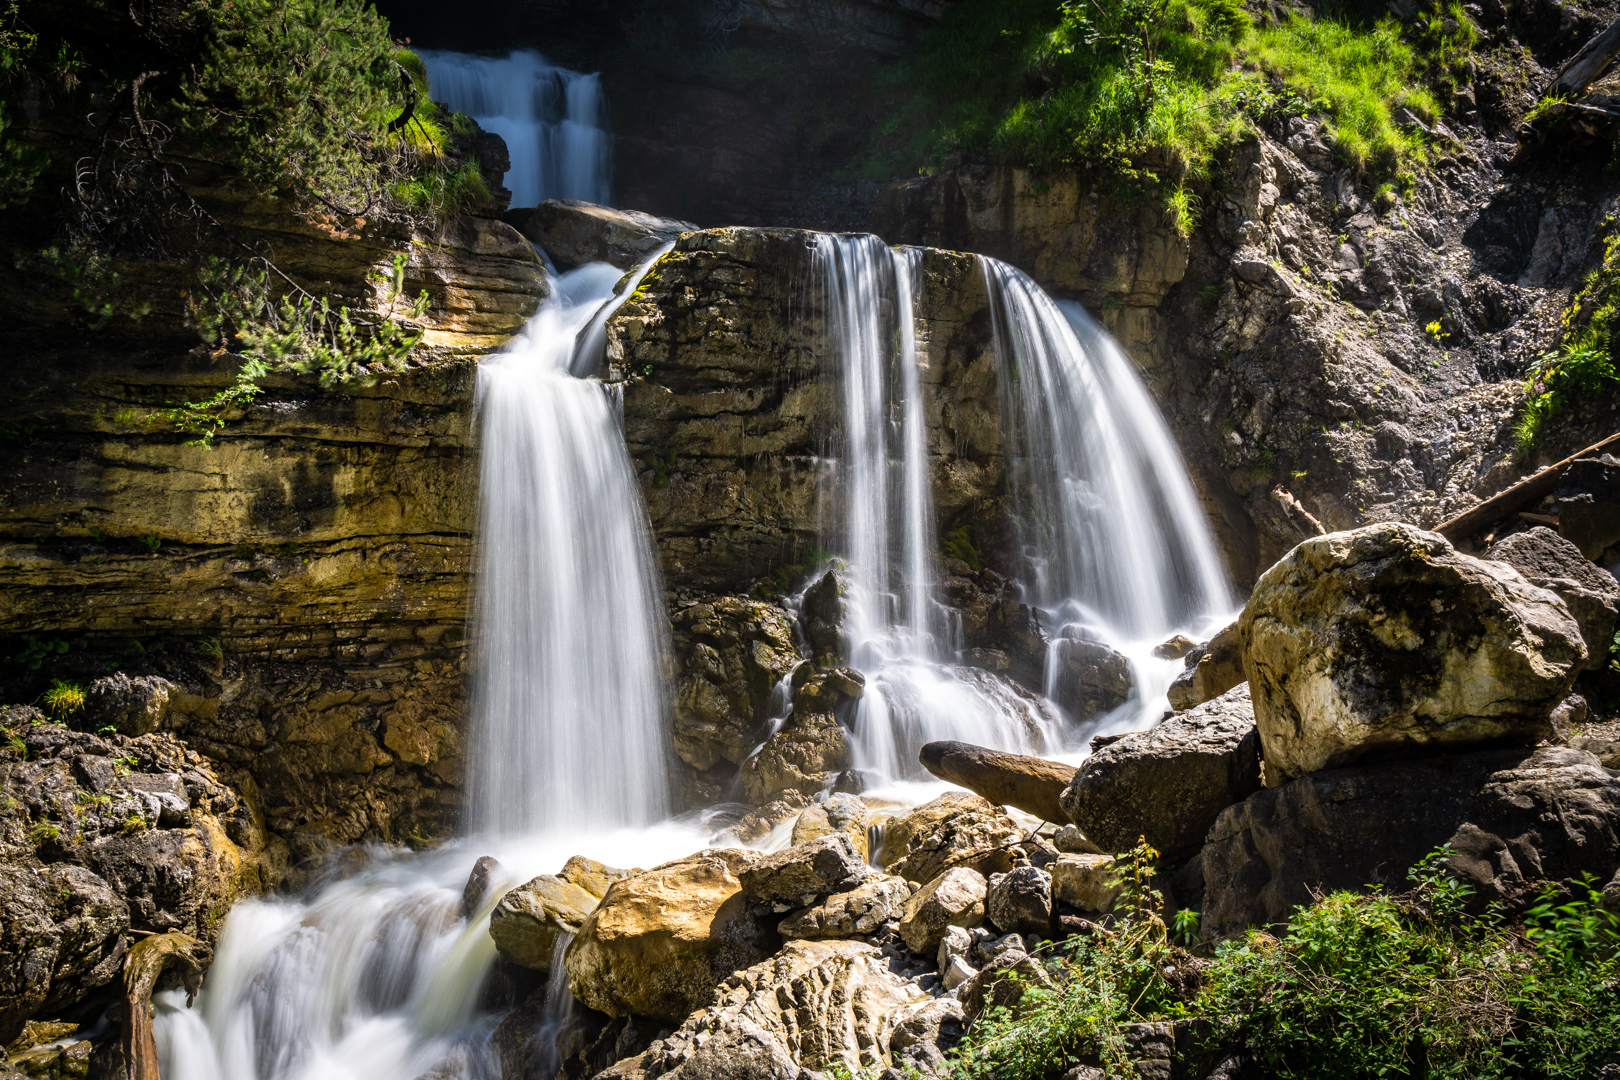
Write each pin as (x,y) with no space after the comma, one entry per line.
(1359,985)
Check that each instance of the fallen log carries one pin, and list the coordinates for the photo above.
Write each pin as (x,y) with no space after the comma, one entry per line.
(1526,492)
(1593,59)
(1031,784)
(148,959)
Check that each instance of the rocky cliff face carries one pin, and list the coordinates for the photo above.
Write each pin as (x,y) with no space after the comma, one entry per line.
(1307,341)
(303,581)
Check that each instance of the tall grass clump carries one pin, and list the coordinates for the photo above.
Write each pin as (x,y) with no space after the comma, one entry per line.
(1359,77)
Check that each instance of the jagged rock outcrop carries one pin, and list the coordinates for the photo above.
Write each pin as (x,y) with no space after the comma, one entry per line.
(954,898)
(1168,784)
(956,829)
(1385,640)
(106,838)
(814,1005)
(1592,594)
(661,941)
(732,652)
(837,814)
(863,910)
(1589,506)
(1514,816)
(794,877)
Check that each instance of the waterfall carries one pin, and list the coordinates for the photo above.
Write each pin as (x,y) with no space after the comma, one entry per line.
(554,120)
(569,708)
(1114,546)
(381,975)
(883,530)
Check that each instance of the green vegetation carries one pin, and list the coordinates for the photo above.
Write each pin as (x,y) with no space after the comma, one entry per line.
(37,650)
(63,698)
(1583,364)
(1420,983)
(1149,90)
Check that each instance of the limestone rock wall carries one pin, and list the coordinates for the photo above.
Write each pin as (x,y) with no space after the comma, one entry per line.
(304,579)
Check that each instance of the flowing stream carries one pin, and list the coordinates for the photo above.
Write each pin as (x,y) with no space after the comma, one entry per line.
(554,120)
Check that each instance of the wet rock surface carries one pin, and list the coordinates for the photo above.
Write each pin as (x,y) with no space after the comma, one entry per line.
(1169,784)
(573,232)
(1385,641)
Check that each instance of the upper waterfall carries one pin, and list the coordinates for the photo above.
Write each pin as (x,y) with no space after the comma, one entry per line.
(554,120)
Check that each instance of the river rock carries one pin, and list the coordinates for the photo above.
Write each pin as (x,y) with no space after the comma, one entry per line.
(1001,983)
(804,756)
(956,829)
(531,920)
(1085,882)
(1383,641)
(841,813)
(1020,901)
(1031,784)
(660,941)
(821,1005)
(955,898)
(1168,784)
(1211,670)
(574,232)
(860,911)
(1090,677)
(1515,816)
(1592,594)
(1069,840)
(1589,504)
(794,877)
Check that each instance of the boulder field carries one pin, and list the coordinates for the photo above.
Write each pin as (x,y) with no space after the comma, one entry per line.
(1398,696)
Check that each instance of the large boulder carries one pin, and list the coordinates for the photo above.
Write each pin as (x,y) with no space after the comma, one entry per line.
(1515,816)
(1589,504)
(531,921)
(661,941)
(821,1005)
(841,813)
(1020,901)
(956,829)
(574,232)
(1031,784)
(794,877)
(860,911)
(810,750)
(1211,669)
(731,652)
(104,840)
(1089,678)
(955,898)
(1382,641)
(1169,784)
(1592,594)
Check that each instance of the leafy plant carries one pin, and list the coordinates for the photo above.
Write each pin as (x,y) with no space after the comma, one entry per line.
(151,543)
(38,650)
(42,832)
(1555,379)
(63,699)
(294,333)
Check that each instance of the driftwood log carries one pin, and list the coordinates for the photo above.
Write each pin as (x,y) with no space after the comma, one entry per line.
(1586,66)
(147,962)
(1526,492)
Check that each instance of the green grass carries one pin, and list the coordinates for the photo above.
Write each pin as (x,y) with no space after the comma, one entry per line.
(1064,86)
(63,698)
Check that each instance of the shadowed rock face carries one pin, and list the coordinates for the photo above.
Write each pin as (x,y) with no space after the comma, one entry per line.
(1548,561)
(1384,641)
(105,836)
(1514,816)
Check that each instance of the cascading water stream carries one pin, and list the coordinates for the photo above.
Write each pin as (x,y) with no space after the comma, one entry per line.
(1114,544)
(884,530)
(379,976)
(554,120)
